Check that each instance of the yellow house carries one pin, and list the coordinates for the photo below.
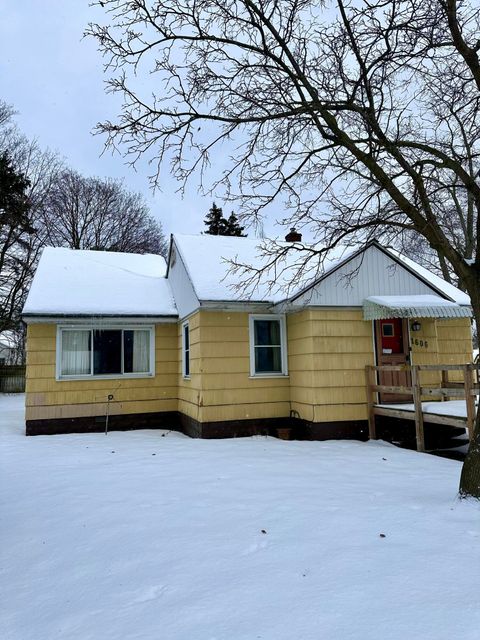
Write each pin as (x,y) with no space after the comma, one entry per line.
(187,346)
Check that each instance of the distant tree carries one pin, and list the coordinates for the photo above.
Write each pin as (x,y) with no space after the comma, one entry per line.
(14,203)
(21,237)
(15,230)
(215,221)
(6,113)
(234,228)
(218,225)
(95,213)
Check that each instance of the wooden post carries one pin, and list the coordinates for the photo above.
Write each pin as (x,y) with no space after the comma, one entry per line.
(417,402)
(444,384)
(469,398)
(370,381)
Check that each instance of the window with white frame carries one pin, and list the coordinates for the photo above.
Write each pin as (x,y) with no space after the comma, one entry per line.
(268,345)
(105,352)
(186,350)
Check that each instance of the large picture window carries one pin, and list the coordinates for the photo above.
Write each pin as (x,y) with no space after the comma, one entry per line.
(268,354)
(106,352)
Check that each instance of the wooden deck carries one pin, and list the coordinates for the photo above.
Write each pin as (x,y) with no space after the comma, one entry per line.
(467,389)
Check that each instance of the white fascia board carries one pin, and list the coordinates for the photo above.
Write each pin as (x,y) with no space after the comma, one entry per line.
(228,305)
(99,320)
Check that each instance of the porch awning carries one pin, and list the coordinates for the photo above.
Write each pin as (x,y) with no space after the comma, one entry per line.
(421,306)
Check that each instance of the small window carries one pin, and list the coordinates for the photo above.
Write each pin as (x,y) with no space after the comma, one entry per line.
(388,330)
(186,350)
(267,346)
(105,352)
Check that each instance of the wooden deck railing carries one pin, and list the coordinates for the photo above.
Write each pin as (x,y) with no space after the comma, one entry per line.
(468,388)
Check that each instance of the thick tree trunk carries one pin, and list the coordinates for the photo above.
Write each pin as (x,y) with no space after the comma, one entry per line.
(470,477)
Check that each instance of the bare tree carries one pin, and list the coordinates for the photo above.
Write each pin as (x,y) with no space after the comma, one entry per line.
(91,213)
(363,116)
(20,244)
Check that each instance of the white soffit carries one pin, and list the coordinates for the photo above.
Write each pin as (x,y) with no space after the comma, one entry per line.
(419,306)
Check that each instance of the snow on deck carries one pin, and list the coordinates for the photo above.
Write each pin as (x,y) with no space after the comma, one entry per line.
(71,282)
(454,408)
(135,536)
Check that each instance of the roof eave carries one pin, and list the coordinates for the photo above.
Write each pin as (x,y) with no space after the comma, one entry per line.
(61,317)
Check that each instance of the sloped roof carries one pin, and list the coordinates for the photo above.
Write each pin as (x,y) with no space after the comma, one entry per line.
(208,260)
(452,292)
(74,282)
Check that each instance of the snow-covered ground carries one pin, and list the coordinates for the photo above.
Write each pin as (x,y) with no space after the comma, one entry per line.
(135,536)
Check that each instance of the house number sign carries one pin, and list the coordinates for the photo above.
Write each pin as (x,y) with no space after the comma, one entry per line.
(419,343)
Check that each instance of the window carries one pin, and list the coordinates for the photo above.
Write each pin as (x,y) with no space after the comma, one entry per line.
(105,352)
(186,350)
(388,329)
(268,355)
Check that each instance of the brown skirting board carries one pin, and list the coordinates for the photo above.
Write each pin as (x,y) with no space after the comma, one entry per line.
(96,424)
(287,428)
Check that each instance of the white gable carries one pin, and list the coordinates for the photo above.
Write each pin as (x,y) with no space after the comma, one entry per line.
(181,284)
(371,273)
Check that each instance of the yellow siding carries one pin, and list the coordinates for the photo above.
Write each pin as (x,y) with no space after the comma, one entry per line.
(424,350)
(226,390)
(48,398)
(189,389)
(328,352)
(441,342)
(455,343)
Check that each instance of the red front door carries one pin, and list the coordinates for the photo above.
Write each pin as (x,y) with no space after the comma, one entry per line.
(391,338)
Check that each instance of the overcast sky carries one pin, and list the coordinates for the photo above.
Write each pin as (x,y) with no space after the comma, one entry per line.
(54,78)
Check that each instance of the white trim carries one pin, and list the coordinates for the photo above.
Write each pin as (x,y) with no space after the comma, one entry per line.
(283,345)
(112,327)
(97,321)
(238,306)
(185,325)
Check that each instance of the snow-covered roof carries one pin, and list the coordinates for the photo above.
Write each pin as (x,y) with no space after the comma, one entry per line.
(208,260)
(98,283)
(412,306)
(452,292)
(73,282)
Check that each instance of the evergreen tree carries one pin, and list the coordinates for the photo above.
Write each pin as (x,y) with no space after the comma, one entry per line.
(215,221)
(15,229)
(13,198)
(217,225)
(234,228)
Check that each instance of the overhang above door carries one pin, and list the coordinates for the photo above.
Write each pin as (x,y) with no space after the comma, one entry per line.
(415,306)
